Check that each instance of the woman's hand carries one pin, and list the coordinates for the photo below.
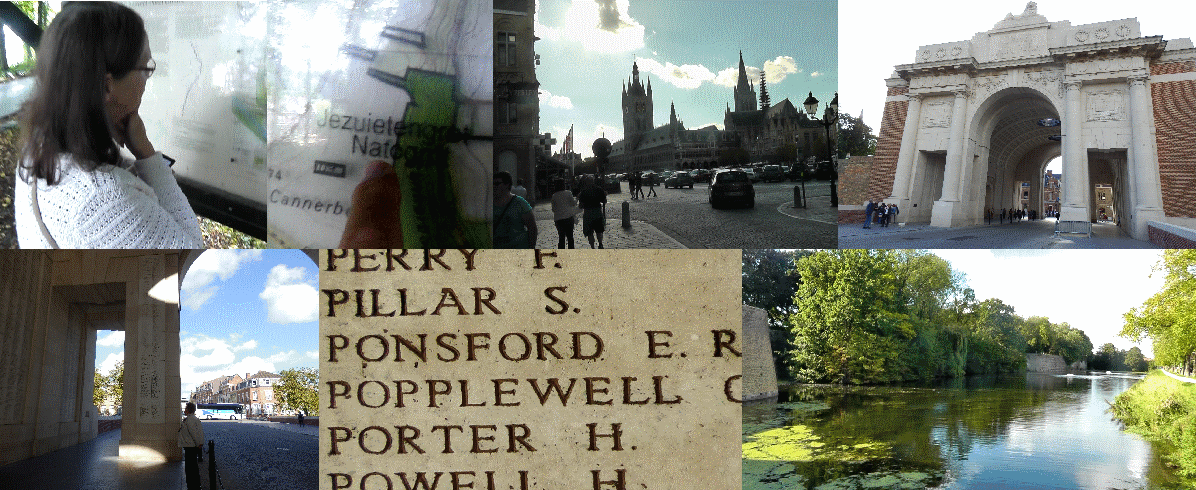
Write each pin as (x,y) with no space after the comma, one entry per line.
(374,218)
(130,133)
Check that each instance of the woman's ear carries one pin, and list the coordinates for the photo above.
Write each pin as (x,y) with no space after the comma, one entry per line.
(109,84)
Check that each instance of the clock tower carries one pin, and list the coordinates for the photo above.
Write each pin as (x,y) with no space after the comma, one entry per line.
(637,108)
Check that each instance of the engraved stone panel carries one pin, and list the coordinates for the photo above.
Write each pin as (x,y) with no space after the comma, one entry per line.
(532,370)
(937,114)
(1106,105)
(1114,30)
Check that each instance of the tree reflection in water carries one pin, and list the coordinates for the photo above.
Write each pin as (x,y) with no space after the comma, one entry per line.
(825,437)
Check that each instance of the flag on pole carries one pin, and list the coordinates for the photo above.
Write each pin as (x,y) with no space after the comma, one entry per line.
(568,147)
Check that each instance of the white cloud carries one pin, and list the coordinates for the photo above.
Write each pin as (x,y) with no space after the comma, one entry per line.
(683,76)
(109,362)
(815,74)
(598,25)
(250,345)
(775,71)
(558,101)
(197,286)
(204,358)
(113,339)
(288,298)
(194,299)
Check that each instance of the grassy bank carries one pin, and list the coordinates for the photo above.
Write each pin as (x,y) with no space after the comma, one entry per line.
(1163,410)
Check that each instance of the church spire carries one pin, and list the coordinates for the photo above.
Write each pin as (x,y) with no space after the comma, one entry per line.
(672,114)
(764,102)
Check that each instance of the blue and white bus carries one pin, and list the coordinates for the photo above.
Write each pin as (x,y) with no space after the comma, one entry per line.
(230,411)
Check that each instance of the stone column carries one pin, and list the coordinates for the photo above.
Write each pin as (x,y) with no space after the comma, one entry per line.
(905,159)
(1075,159)
(151,403)
(1148,203)
(948,207)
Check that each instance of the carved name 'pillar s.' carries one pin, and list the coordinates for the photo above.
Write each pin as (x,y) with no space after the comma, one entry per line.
(1145,174)
(905,159)
(1075,159)
(955,157)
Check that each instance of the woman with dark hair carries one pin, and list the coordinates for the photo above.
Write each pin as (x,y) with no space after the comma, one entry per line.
(75,189)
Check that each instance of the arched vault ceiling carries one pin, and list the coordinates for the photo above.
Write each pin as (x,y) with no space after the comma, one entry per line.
(1016,135)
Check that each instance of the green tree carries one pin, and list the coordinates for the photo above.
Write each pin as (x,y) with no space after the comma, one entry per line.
(1134,360)
(843,315)
(115,382)
(770,283)
(297,390)
(98,390)
(1169,317)
(855,137)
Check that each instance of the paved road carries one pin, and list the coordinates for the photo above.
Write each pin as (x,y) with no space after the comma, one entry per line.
(685,216)
(264,455)
(1038,234)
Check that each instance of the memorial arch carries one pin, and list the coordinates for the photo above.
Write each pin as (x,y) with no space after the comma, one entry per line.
(967,126)
(51,306)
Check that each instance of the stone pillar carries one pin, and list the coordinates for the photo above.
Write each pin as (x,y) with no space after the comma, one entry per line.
(759,373)
(151,404)
(948,208)
(1075,159)
(1148,204)
(905,159)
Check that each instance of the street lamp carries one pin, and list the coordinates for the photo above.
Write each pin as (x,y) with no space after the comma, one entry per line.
(830,117)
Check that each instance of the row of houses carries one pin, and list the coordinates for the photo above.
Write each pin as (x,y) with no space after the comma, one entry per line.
(254,392)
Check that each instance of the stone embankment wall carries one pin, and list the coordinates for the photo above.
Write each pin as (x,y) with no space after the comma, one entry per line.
(759,376)
(1045,363)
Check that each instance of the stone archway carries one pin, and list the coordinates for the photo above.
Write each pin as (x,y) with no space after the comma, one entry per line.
(970,108)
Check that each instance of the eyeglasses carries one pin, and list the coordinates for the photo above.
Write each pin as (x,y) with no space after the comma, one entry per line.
(148,68)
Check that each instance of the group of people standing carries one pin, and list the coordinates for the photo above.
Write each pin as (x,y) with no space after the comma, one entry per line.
(1012,214)
(879,213)
(515,223)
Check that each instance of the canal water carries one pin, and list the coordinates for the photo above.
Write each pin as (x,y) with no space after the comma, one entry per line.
(1032,431)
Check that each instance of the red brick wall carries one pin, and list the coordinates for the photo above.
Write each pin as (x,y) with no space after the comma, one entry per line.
(888,146)
(853,179)
(1167,239)
(1175,133)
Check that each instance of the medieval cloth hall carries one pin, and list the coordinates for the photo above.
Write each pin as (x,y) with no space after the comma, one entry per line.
(969,124)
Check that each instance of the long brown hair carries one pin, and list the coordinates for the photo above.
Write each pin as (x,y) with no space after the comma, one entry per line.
(85,42)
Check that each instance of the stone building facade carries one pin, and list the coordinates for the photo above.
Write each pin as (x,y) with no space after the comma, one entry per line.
(762,130)
(960,128)
(516,91)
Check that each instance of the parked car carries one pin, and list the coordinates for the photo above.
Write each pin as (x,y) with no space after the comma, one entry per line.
(679,179)
(773,173)
(732,186)
(752,174)
(650,178)
(702,175)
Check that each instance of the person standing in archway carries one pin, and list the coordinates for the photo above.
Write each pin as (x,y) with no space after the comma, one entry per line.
(191,440)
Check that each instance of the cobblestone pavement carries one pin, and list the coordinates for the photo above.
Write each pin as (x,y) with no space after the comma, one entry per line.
(682,218)
(255,455)
(1037,234)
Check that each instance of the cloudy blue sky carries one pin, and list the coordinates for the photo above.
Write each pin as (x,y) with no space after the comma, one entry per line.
(242,311)
(688,48)
(1088,289)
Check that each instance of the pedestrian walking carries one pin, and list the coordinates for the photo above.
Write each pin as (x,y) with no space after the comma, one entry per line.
(191,439)
(592,200)
(652,187)
(564,212)
(514,223)
(869,209)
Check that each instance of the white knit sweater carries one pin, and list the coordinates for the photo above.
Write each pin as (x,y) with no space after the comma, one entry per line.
(135,205)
